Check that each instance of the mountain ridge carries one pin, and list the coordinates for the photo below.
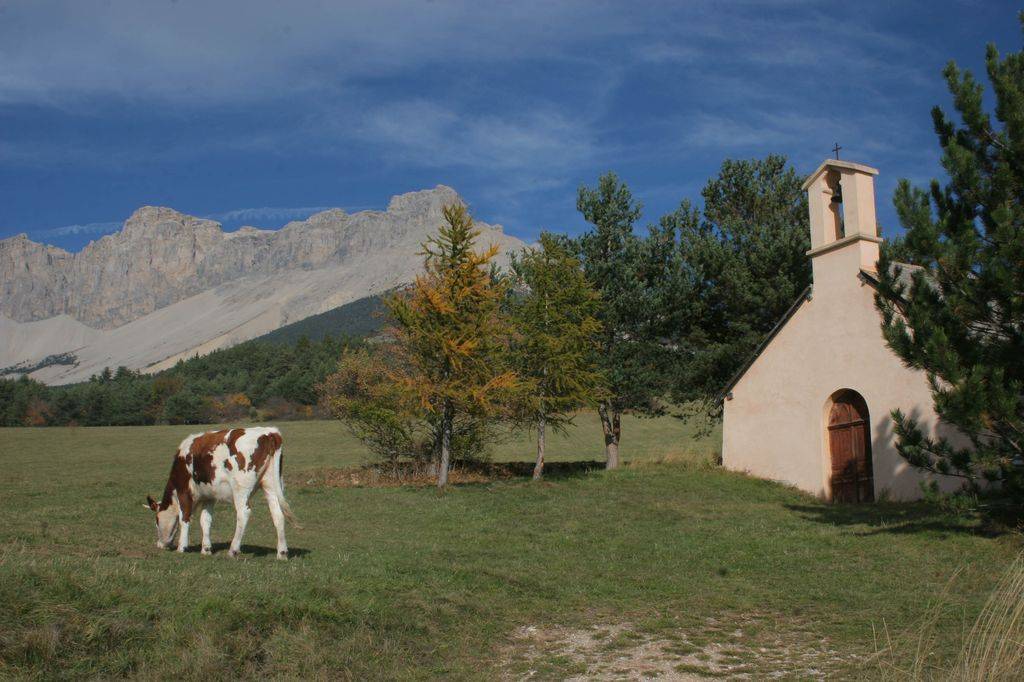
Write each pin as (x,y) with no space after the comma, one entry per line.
(169,285)
(161,256)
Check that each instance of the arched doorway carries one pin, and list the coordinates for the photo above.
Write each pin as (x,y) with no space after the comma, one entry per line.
(849,440)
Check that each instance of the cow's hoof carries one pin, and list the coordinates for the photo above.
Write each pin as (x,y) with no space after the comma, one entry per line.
(283,555)
(180,550)
(233,553)
(205,551)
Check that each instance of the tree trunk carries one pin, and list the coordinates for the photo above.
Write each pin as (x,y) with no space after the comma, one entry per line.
(611,424)
(446,445)
(538,468)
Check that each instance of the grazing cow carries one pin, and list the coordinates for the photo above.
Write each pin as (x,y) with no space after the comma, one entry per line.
(222,466)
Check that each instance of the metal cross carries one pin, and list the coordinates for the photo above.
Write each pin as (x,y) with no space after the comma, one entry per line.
(836,149)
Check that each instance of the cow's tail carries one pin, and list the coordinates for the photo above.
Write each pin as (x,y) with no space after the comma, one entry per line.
(279,483)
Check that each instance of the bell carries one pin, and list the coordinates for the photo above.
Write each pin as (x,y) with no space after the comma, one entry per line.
(837,196)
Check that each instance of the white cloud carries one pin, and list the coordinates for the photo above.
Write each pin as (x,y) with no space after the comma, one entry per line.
(266,214)
(778,131)
(531,96)
(429,134)
(78,229)
(874,138)
(669,52)
(196,53)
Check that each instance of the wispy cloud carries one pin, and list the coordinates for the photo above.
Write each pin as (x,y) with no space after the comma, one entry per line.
(431,134)
(274,216)
(765,130)
(79,229)
(248,50)
(327,58)
(514,104)
(669,52)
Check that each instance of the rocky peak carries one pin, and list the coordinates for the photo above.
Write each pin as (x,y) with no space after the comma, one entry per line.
(248,231)
(332,216)
(424,201)
(163,222)
(162,256)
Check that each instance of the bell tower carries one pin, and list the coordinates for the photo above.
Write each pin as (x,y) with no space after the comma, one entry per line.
(841,200)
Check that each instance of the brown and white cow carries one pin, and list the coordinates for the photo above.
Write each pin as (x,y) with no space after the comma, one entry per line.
(222,466)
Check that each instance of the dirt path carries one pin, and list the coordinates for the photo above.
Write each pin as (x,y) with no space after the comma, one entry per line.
(619,651)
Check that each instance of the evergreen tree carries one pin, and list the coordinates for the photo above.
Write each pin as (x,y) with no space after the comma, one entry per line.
(630,353)
(555,338)
(17,396)
(961,317)
(733,271)
(451,335)
(261,371)
(184,407)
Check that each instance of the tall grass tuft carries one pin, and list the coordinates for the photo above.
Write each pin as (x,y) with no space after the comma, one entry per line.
(992,650)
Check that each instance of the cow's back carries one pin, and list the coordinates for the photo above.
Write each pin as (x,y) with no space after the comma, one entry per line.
(220,462)
(257,446)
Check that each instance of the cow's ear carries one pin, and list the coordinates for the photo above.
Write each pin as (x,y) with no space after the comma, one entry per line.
(151,503)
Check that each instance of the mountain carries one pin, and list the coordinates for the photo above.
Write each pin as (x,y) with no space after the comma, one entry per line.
(170,285)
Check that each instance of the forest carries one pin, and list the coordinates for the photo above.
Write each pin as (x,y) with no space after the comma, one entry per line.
(255,380)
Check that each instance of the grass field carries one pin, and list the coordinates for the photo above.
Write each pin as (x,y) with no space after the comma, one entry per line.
(668,566)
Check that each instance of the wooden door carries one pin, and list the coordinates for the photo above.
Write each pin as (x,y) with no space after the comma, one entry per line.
(849,438)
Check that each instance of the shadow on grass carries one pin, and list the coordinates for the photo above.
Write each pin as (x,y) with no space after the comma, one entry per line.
(894,518)
(525,469)
(251,550)
(462,473)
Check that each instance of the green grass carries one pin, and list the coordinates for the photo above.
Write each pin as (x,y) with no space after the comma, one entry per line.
(408,583)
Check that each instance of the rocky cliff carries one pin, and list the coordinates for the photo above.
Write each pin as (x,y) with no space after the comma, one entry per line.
(162,256)
(169,285)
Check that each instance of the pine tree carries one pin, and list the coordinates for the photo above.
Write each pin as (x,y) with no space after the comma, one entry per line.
(630,352)
(451,335)
(961,317)
(732,270)
(555,338)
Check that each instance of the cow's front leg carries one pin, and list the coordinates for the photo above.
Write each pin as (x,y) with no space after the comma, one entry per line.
(205,521)
(242,512)
(183,536)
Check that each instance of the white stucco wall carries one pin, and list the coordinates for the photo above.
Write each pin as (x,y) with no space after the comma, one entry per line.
(775,422)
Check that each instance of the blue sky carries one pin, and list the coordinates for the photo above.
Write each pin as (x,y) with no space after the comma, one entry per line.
(259,111)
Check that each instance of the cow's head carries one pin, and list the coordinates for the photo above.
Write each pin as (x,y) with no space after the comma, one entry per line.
(166,521)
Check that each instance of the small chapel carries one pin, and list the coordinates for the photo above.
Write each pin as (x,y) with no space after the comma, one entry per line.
(811,407)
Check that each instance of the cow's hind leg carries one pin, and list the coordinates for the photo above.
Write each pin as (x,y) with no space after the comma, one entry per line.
(242,512)
(278,516)
(205,521)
